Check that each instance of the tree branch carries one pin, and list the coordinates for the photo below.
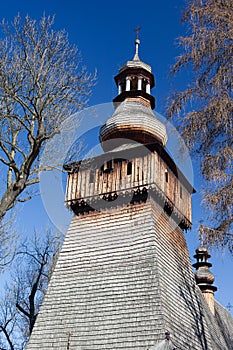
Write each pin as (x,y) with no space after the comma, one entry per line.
(24,200)
(4,330)
(22,310)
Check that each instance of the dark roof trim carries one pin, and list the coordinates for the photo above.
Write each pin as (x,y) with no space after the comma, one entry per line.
(135,93)
(136,71)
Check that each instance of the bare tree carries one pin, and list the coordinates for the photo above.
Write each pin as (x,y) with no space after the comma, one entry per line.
(208,100)
(7,323)
(32,269)
(41,84)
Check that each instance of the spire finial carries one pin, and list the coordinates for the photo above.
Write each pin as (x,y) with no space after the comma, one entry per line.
(137,42)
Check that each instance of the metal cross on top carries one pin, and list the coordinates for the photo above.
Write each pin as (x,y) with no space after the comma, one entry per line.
(137,30)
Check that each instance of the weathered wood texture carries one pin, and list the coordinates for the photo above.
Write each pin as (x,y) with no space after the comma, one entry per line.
(148,170)
(123,278)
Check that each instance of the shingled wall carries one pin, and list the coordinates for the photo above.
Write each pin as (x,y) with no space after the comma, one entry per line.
(123,278)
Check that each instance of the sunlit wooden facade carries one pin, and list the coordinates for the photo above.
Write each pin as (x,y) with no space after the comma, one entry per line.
(121,176)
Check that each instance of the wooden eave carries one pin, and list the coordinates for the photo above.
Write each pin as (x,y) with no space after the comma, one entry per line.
(137,72)
(133,94)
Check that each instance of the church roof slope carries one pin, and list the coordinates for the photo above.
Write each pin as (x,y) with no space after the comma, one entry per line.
(225,323)
(119,284)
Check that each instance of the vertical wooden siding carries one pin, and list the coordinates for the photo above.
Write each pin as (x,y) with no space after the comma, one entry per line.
(146,170)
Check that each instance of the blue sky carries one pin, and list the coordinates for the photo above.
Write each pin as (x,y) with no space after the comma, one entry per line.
(103,31)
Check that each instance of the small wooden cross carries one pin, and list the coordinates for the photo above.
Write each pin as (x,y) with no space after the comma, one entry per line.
(137,29)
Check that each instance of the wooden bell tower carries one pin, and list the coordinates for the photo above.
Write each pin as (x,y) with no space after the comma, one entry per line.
(124,276)
(135,165)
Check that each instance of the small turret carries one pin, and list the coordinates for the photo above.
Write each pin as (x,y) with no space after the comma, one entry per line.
(204,277)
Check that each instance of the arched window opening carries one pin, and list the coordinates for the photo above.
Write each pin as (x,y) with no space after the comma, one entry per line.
(134,83)
(128,84)
(129,168)
(92,175)
(166,176)
(138,173)
(181,191)
(107,167)
(139,83)
(144,83)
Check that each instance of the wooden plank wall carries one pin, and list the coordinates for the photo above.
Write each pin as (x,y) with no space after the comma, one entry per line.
(146,170)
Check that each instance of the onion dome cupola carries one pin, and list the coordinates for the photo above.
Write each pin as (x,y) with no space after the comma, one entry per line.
(204,276)
(133,118)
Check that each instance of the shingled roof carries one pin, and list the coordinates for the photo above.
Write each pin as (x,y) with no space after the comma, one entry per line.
(120,284)
(164,345)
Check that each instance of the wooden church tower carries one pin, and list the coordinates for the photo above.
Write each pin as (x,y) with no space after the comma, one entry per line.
(124,280)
